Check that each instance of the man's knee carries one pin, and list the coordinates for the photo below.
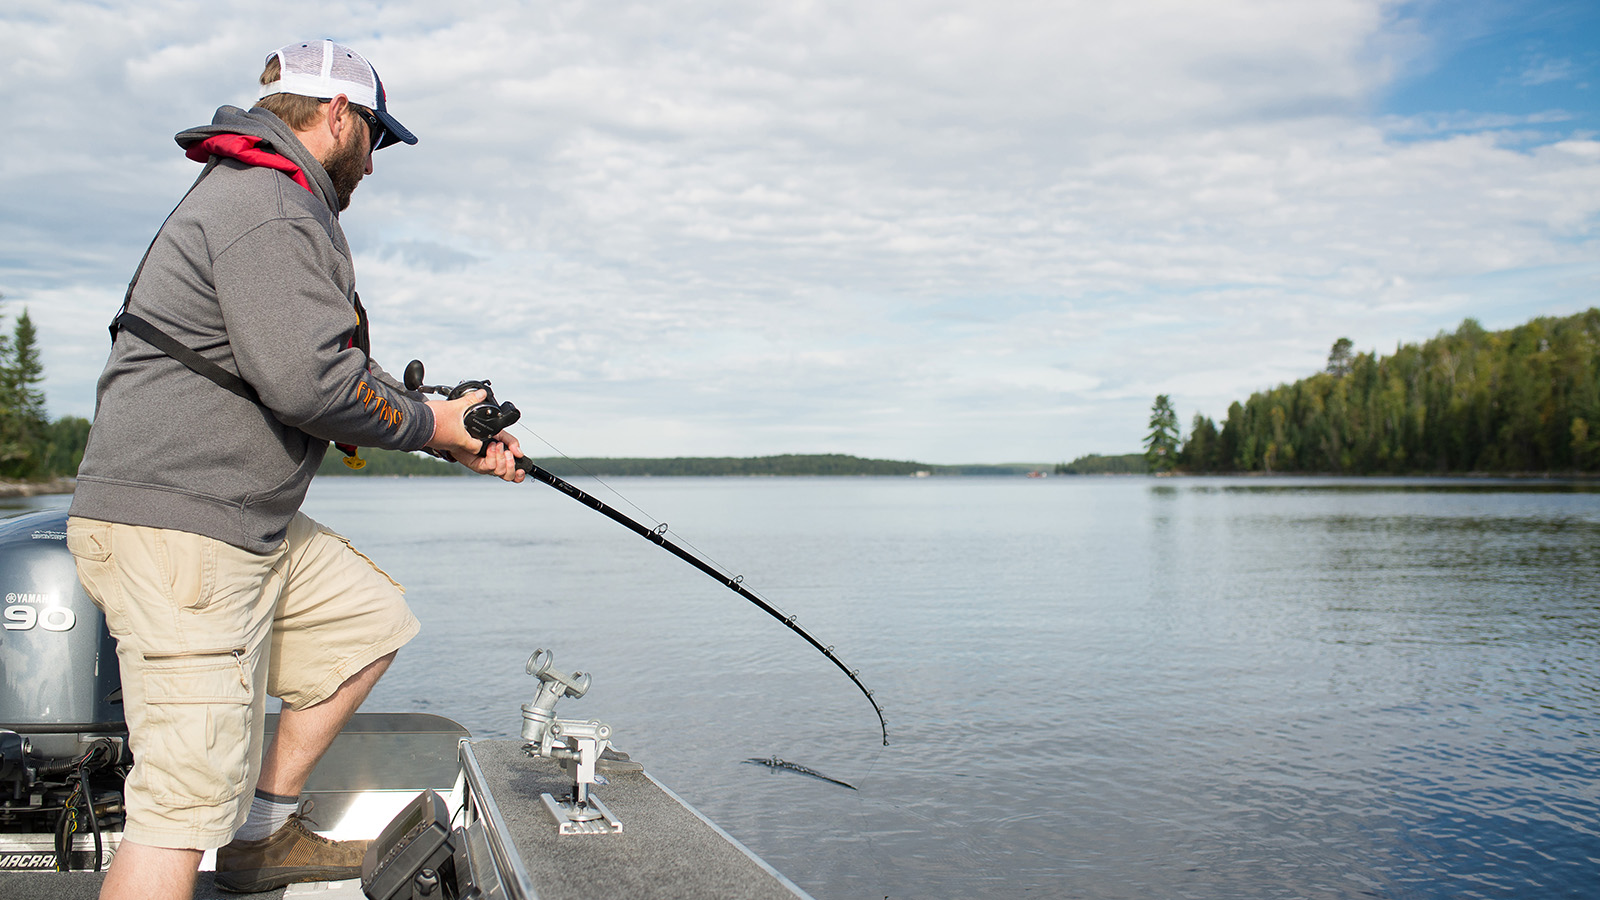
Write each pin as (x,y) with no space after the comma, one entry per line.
(368,675)
(375,669)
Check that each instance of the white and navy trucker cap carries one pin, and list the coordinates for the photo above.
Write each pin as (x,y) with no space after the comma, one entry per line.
(323,69)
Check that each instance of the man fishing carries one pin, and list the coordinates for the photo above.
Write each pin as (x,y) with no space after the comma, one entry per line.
(240,353)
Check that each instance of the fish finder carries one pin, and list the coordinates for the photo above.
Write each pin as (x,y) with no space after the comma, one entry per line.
(414,857)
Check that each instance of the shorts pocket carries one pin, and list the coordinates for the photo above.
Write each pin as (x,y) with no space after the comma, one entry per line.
(189,565)
(89,541)
(195,745)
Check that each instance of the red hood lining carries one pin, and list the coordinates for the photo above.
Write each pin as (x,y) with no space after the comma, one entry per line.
(243,147)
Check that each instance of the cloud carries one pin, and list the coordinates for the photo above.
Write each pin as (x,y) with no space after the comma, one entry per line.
(1545,71)
(913,229)
(1508,125)
(434,257)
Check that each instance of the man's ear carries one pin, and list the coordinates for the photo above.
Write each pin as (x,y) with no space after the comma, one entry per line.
(336,119)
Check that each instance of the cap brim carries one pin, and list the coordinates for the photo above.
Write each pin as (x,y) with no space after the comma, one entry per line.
(393,131)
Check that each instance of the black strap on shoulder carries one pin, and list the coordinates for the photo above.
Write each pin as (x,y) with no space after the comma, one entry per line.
(169,345)
(127,297)
(164,342)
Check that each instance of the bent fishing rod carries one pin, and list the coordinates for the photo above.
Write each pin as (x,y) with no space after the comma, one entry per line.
(487,418)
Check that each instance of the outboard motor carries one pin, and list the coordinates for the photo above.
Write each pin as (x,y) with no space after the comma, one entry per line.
(63,740)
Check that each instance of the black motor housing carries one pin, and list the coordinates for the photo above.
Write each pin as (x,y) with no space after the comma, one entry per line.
(59,681)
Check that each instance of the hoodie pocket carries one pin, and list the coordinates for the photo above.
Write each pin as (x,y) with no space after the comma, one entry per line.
(280,502)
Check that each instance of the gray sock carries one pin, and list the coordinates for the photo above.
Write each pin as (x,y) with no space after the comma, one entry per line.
(268,812)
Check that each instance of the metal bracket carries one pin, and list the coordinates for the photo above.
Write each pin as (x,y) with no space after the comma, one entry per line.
(577,744)
(590,817)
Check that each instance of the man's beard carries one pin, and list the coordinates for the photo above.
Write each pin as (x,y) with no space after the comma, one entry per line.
(346,166)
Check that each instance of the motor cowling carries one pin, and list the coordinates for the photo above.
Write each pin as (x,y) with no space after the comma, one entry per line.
(59,682)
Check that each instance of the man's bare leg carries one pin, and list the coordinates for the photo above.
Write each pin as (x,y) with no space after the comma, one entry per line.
(305,734)
(142,872)
(289,855)
(139,871)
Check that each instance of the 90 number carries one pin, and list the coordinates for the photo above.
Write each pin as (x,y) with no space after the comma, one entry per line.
(50,618)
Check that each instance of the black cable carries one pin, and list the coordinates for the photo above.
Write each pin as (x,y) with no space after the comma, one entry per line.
(66,826)
(94,819)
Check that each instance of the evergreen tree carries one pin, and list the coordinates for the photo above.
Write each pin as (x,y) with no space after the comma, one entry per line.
(1202,452)
(21,379)
(1340,358)
(13,452)
(30,445)
(1161,444)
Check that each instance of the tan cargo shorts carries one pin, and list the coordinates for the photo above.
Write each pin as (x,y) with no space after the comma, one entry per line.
(205,631)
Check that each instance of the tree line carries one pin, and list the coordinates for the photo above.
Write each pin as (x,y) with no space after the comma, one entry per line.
(1522,400)
(788,464)
(1100,464)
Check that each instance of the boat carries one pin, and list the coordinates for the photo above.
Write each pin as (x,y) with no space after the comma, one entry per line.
(558,815)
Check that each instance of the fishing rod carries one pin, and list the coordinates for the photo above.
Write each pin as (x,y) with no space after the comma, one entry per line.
(487,418)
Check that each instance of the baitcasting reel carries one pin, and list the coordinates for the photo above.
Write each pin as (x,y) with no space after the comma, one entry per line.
(483,420)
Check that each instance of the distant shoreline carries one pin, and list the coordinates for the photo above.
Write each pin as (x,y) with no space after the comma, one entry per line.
(38,488)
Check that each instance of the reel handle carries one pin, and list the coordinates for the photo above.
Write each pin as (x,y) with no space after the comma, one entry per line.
(413,380)
(414,372)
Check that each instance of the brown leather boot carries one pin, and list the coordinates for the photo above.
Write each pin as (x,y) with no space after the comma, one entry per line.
(289,855)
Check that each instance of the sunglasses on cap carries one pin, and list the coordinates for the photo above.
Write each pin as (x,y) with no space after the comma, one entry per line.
(378,136)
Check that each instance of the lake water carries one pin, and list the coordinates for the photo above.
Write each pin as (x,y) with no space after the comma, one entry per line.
(1098,688)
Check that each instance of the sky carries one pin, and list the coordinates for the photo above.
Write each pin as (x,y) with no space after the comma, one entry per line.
(939,231)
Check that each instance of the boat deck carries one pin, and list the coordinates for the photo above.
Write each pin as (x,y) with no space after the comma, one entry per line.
(665,851)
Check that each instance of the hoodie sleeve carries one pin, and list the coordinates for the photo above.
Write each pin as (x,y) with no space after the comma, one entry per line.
(383,376)
(288,321)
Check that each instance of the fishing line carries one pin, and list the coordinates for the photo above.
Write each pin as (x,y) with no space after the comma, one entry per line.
(665,528)
(620,495)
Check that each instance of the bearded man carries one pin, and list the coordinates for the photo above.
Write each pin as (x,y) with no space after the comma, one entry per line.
(241,351)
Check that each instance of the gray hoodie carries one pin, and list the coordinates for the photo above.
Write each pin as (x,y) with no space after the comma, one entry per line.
(252,272)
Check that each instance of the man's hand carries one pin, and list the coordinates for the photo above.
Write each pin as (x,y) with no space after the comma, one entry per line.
(500,460)
(450,436)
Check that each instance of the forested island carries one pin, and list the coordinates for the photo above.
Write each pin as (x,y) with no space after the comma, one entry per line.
(1098,464)
(1525,400)
(393,463)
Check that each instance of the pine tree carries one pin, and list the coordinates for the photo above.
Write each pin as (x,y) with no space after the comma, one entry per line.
(13,453)
(1161,444)
(1340,358)
(24,373)
(1201,452)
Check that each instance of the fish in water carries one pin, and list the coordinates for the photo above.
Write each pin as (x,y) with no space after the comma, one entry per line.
(775,763)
